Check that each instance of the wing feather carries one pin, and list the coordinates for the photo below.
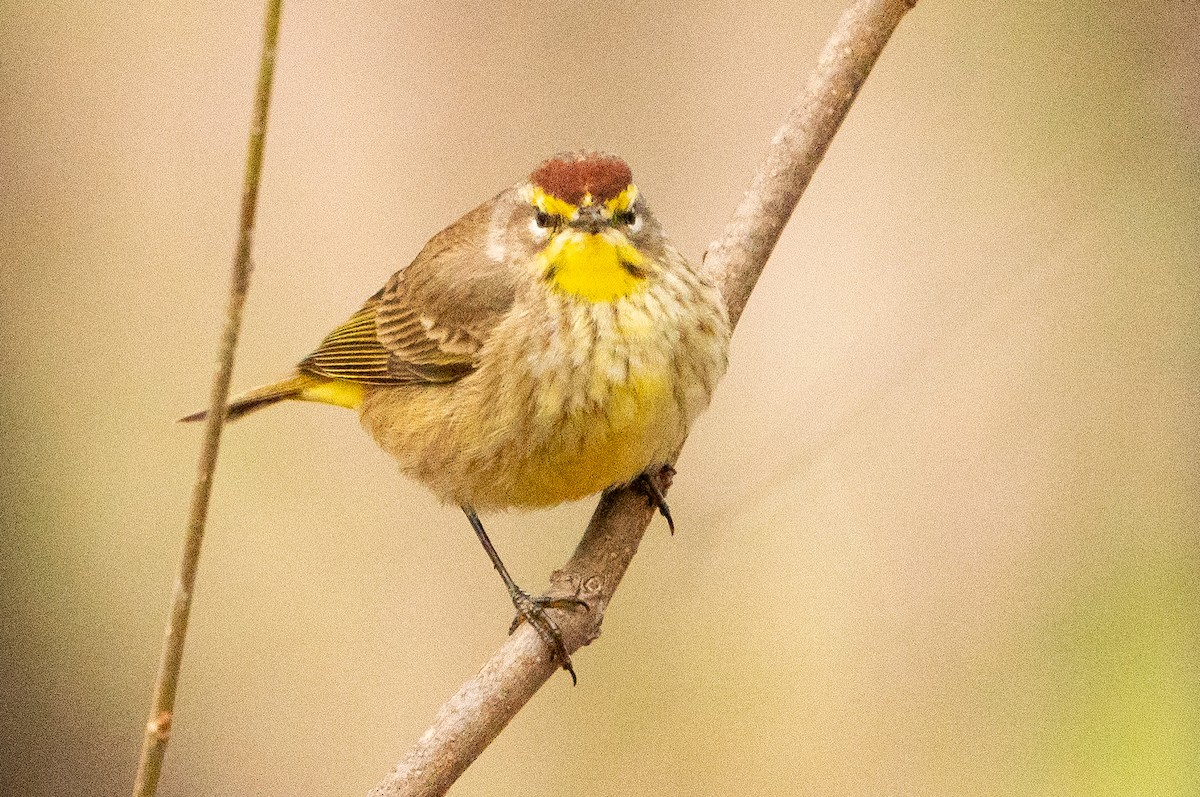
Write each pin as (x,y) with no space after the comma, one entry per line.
(428,324)
(352,351)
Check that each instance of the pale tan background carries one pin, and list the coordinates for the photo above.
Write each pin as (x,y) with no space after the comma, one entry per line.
(938,533)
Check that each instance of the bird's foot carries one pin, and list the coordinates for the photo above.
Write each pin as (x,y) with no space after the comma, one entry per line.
(533,611)
(654,487)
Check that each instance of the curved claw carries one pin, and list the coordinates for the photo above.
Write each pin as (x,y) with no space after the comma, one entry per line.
(653,486)
(533,611)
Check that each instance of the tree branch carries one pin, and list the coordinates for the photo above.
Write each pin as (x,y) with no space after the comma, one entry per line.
(481,708)
(158,727)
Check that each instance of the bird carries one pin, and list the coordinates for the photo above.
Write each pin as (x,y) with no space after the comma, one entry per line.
(549,345)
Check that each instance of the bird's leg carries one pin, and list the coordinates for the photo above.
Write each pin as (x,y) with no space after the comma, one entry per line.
(531,610)
(654,486)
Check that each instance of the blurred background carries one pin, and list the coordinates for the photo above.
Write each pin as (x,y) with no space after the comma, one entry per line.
(938,531)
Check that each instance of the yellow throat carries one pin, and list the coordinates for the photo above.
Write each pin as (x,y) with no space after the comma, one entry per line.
(598,267)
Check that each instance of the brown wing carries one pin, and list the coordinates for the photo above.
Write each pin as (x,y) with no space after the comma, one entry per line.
(353,351)
(429,322)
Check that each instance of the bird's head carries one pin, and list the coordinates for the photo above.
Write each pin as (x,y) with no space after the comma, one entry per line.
(588,230)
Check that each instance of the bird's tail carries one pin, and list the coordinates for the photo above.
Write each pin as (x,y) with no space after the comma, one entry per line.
(250,401)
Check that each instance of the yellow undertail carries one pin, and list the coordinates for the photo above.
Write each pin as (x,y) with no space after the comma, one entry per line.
(301,387)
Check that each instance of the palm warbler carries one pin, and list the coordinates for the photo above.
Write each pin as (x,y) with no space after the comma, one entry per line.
(548,345)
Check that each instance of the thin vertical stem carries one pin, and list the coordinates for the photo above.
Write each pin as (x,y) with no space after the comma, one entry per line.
(158,727)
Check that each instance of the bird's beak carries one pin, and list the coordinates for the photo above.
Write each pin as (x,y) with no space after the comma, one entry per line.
(590,220)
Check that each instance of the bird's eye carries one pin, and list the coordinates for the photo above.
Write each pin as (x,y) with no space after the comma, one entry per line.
(544,220)
(630,219)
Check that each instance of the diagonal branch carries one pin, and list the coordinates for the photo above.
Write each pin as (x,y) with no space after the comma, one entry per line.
(476,714)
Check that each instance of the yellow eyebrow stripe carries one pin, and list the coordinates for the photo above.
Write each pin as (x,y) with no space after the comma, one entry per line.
(553,205)
(548,203)
(622,201)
